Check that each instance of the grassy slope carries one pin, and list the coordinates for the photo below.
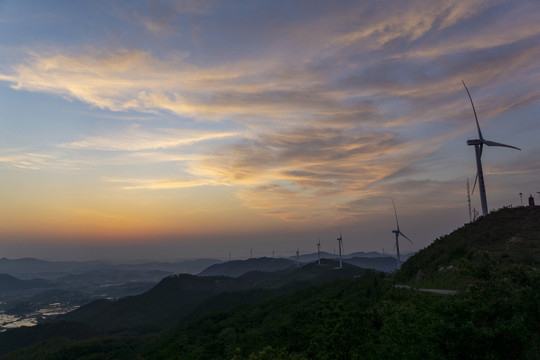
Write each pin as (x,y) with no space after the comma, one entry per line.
(508,237)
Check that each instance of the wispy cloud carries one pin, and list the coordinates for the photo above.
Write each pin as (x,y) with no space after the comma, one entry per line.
(160,16)
(159,184)
(136,139)
(25,160)
(312,169)
(28,160)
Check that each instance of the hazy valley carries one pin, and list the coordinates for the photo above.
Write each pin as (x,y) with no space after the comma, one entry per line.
(33,290)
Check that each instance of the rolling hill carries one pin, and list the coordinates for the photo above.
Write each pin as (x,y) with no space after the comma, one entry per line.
(10,283)
(236,268)
(380,263)
(175,297)
(506,239)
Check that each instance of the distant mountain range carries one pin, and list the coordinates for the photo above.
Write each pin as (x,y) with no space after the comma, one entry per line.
(26,268)
(10,283)
(30,268)
(175,297)
(360,254)
(32,289)
(31,284)
(236,268)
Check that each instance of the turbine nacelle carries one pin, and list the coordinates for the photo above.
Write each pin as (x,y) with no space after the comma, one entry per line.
(474,142)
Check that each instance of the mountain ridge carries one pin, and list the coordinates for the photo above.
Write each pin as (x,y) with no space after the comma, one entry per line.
(236,268)
(174,297)
(11,283)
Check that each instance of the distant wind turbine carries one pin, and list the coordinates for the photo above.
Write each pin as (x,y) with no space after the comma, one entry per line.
(319,250)
(297,257)
(340,244)
(398,232)
(478,147)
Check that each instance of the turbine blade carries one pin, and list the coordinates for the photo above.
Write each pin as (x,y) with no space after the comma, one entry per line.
(475,180)
(395,212)
(493,143)
(402,234)
(474,110)
(481,148)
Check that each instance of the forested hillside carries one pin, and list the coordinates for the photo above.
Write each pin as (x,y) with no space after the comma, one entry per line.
(492,263)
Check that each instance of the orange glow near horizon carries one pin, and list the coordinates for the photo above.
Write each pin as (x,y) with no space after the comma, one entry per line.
(121,215)
(213,124)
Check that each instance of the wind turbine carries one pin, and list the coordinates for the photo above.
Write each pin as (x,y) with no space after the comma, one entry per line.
(297,260)
(398,232)
(319,250)
(478,146)
(340,243)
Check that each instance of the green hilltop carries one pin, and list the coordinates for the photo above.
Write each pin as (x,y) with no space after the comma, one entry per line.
(492,263)
(505,239)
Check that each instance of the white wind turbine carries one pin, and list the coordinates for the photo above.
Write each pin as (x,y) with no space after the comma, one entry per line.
(478,147)
(340,243)
(319,250)
(398,232)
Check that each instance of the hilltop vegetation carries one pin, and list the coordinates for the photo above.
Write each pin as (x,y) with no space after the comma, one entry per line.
(493,263)
(507,239)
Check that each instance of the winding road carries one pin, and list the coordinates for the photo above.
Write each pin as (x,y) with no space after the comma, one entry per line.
(436,291)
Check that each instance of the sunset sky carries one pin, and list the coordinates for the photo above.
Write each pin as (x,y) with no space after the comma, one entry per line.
(181,129)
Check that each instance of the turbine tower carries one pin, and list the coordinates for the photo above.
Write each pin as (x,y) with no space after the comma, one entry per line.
(478,146)
(469,200)
(319,250)
(398,232)
(340,243)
